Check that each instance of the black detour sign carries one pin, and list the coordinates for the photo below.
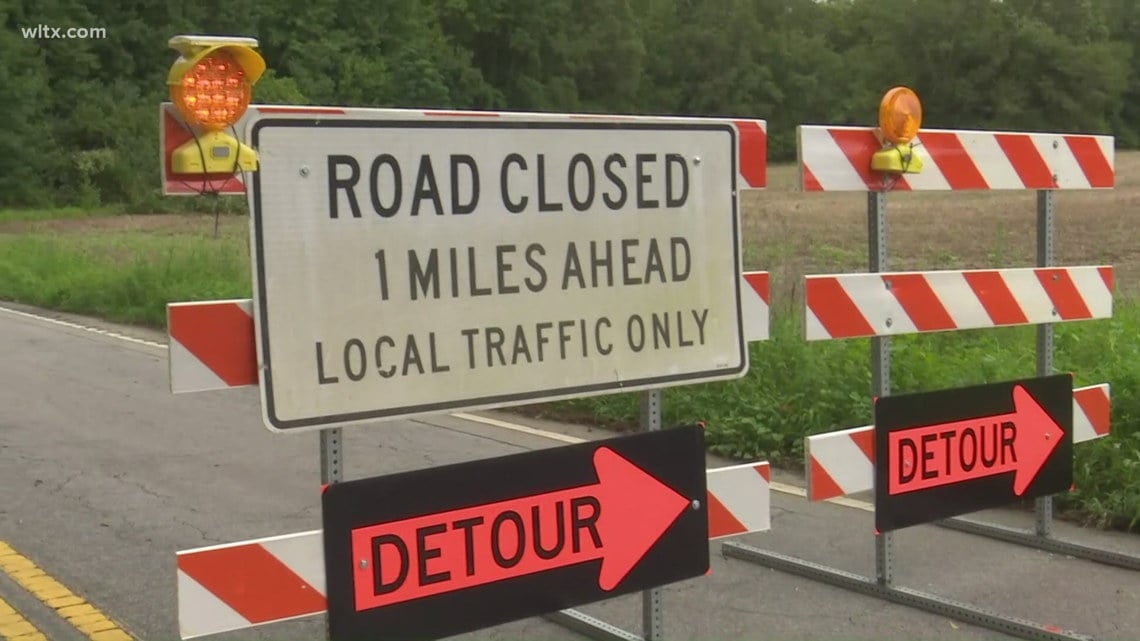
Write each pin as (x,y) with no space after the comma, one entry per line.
(446,550)
(952,452)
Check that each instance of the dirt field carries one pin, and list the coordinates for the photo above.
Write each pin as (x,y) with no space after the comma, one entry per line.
(791,233)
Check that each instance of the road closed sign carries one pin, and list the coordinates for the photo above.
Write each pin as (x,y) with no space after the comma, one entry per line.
(407,267)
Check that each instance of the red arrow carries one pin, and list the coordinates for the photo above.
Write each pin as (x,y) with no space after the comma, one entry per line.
(934,455)
(617,520)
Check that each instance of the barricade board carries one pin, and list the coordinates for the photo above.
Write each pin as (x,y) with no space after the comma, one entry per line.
(446,550)
(233,586)
(838,158)
(517,261)
(842,462)
(957,451)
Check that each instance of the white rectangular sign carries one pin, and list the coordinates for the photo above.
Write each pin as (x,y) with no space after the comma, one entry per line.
(407,267)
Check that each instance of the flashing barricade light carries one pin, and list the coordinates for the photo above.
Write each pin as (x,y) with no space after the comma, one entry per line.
(900,117)
(211,85)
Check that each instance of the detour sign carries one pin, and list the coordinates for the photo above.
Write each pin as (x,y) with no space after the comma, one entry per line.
(615,520)
(957,451)
(502,539)
(1020,442)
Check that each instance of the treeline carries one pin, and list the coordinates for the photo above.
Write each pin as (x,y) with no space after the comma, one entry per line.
(80,115)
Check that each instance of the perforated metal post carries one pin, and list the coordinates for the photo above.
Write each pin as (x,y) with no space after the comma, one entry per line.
(331,456)
(652,618)
(331,464)
(880,355)
(1045,224)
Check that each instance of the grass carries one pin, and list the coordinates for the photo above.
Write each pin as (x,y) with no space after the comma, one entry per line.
(120,268)
(126,268)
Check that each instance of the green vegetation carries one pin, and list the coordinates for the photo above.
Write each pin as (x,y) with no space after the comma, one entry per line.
(121,274)
(81,133)
(126,269)
(795,388)
(80,115)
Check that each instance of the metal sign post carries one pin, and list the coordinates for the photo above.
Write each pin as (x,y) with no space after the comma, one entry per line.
(652,616)
(331,464)
(1046,218)
(880,356)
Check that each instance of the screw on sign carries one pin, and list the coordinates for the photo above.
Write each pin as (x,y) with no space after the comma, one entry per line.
(958,451)
(502,539)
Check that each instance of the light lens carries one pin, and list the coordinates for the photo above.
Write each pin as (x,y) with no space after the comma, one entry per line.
(213,93)
(900,115)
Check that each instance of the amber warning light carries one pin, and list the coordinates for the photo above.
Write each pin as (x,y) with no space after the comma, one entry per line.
(211,85)
(900,117)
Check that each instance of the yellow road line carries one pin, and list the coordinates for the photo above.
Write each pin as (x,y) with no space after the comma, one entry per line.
(88,619)
(14,627)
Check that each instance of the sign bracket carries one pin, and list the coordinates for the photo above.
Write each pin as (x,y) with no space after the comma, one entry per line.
(1041,536)
(331,468)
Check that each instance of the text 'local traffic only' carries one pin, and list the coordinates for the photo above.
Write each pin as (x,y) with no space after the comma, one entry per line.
(616,521)
(448,265)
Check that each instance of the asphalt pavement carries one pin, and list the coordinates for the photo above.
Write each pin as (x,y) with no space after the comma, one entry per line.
(105,475)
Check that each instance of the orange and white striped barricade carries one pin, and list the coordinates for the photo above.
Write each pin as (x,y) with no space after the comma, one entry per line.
(842,306)
(213,346)
(234,586)
(880,304)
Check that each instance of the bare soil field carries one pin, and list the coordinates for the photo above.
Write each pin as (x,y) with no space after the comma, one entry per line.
(791,233)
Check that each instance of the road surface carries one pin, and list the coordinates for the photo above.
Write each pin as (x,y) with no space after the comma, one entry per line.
(104,475)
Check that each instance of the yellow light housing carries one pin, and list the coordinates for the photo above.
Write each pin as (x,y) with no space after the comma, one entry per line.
(900,118)
(215,152)
(897,159)
(211,85)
